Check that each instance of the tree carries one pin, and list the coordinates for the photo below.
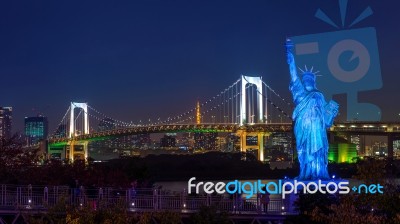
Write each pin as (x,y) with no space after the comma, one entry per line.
(365,208)
(15,159)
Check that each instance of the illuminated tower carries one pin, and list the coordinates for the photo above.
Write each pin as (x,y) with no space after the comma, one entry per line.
(84,107)
(257,81)
(36,129)
(198,116)
(78,150)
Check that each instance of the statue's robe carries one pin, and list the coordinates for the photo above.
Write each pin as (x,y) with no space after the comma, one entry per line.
(311,121)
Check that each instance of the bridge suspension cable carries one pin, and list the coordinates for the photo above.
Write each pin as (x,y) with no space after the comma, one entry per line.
(227,103)
(181,117)
(223,107)
(119,122)
(220,104)
(273,91)
(61,127)
(273,104)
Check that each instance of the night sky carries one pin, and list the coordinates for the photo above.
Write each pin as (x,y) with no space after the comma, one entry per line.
(138,59)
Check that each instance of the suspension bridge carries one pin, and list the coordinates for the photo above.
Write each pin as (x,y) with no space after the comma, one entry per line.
(249,108)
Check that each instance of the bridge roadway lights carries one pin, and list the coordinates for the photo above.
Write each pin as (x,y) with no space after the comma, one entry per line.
(259,145)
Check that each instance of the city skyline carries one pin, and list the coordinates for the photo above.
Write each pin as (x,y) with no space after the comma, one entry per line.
(143,60)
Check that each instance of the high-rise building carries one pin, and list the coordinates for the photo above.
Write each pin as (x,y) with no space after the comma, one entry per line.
(168,141)
(396,148)
(187,140)
(279,147)
(124,142)
(206,141)
(379,148)
(5,122)
(141,141)
(221,143)
(281,140)
(359,141)
(36,129)
(233,143)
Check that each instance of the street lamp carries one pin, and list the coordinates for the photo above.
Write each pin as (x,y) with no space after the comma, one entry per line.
(212,119)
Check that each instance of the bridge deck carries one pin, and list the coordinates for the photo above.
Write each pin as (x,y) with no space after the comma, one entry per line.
(370,128)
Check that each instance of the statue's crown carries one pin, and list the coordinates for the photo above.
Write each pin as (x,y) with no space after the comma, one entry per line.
(308,74)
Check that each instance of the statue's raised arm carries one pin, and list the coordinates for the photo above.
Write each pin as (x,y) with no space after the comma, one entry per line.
(290,60)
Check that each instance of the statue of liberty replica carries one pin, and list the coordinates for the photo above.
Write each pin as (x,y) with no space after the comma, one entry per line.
(312,116)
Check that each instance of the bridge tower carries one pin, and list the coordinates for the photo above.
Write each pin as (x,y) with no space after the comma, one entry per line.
(84,107)
(77,149)
(252,140)
(257,81)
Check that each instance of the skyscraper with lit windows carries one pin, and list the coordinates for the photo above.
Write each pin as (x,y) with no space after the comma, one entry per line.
(5,122)
(205,141)
(36,129)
